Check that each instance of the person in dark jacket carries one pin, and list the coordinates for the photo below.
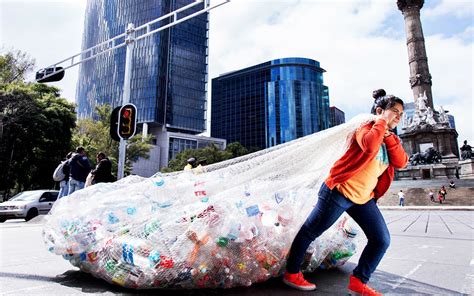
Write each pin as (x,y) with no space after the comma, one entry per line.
(103,171)
(80,168)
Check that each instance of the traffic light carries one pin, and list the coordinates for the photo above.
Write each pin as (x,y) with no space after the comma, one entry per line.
(59,74)
(127,121)
(114,124)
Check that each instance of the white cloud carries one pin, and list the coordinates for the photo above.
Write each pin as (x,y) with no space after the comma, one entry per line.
(349,39)
(341,36)
(48,31)
(458,8)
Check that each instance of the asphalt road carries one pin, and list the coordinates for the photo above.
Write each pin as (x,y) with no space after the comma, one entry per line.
(431,253)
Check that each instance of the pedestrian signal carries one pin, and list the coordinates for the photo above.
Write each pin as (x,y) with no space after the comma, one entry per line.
(127,121)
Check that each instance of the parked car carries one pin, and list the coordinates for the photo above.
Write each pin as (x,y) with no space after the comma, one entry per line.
(28,204)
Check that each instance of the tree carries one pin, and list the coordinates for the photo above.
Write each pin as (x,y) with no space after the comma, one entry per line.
(210,154)
(94,136)
(236,149)
(14,65)
(35,133)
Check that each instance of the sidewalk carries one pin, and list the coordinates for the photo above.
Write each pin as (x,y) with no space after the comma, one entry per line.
(427,208)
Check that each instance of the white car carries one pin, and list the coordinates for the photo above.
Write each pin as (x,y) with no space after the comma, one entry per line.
(28,204)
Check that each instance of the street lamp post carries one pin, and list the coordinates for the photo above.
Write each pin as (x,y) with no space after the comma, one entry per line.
(55,72)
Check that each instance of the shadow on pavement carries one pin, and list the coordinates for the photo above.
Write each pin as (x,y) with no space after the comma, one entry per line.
(330,282)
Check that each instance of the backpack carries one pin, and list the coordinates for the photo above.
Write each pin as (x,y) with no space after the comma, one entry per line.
(58,174)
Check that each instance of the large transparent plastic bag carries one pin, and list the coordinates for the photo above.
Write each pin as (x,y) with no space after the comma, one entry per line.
(225,225)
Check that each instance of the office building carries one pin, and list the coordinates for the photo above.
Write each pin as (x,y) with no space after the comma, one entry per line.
(270,103)
(169,73)
(336,116)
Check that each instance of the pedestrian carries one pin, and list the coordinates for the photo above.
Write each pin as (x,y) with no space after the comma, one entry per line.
(191,163)
(431,194)
(401,197)
(64,184)
(80,167)
(442,191)
(440,197)
(361,176)
(103,170)
(452,185)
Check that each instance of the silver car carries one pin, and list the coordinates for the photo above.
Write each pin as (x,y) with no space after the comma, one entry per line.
(28,204)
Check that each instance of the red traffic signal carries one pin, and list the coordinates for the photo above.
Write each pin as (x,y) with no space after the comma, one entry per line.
(127,121)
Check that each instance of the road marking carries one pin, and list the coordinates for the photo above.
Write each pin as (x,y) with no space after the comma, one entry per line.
(397,219)
(462,222)
(446,225)
(405,277)
(427,222)
(412,223)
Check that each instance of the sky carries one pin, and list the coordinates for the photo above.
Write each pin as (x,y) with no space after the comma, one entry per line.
(361,45)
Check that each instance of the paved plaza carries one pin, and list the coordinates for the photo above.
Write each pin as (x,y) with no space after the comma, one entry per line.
(431,254)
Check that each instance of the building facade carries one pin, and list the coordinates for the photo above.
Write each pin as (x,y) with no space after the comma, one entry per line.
(270,103)
(336,116)
(169,73)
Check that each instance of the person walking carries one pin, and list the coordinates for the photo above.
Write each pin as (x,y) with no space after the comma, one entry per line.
(355,182)
(401,197)
(443,192)
(80,168)
(431,194)
(64,184)
(103,170)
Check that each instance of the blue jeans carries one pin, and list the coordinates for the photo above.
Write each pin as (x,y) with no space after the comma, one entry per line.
(330,206)
(63,188)
(75,185)
(402,202)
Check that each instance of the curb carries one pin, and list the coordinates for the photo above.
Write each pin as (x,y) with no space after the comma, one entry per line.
(427,208)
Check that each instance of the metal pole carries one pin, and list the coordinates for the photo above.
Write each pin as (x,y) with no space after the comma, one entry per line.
(129,40)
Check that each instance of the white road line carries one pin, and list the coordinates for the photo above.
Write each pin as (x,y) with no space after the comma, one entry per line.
(405,277)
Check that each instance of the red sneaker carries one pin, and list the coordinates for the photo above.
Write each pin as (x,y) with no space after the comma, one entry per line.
(297,281)
(359,288)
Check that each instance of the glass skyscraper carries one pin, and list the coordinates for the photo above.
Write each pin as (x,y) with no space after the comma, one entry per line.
(336,116)
(270,103)
(169,73)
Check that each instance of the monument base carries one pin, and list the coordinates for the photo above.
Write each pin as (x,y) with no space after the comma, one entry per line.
(429,171)
(442,139)
(466,169)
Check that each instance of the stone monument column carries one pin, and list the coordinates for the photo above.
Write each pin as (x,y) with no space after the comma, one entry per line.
(420,77)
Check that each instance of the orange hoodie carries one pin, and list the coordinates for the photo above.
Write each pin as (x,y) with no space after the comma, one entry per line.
(364,148)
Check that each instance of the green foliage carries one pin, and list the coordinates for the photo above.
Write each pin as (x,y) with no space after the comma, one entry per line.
(236,149)
(35,133)
(205,156)
(14,65)
(94,136)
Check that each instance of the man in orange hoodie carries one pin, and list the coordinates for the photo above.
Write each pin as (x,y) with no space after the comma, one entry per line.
(361,176)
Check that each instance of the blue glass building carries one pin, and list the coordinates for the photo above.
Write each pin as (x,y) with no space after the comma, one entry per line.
(270,103)
(336,116)
(169,68)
